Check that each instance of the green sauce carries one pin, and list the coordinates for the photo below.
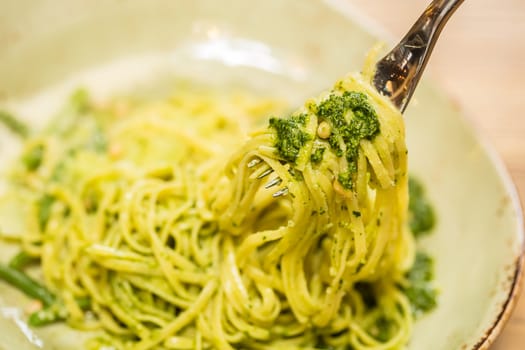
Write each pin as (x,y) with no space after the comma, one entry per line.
(351,118)
(420,292)
(421,214)
(291,136)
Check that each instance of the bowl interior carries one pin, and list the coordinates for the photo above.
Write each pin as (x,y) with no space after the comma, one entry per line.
(291,49)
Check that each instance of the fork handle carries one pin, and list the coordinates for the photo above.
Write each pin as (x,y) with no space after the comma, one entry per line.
(398,73)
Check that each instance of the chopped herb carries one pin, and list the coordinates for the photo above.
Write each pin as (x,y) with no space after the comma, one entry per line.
(356,213)
(346,180)
(13,124)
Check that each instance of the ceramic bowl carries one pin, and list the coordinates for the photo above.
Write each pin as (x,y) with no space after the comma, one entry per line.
(292,48)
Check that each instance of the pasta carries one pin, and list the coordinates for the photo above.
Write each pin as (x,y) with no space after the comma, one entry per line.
(159,227)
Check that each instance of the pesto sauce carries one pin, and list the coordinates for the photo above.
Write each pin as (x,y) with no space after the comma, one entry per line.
(291,136)
(352,119)
(421,213)
(348,129)
(383,326)
(317,155)
(420,292)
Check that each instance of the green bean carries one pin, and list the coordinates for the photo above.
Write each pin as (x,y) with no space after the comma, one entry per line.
(55,313)
(26,284)
(48,315)
(13,124)
(21,260)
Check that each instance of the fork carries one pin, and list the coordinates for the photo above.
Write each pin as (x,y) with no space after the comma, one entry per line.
(398,73)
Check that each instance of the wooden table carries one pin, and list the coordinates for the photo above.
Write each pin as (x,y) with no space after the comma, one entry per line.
(480,61)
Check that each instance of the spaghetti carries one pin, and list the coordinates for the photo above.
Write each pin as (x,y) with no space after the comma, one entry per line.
(129,209)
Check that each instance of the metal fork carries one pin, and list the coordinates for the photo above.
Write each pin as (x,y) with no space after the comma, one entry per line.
(398,73)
